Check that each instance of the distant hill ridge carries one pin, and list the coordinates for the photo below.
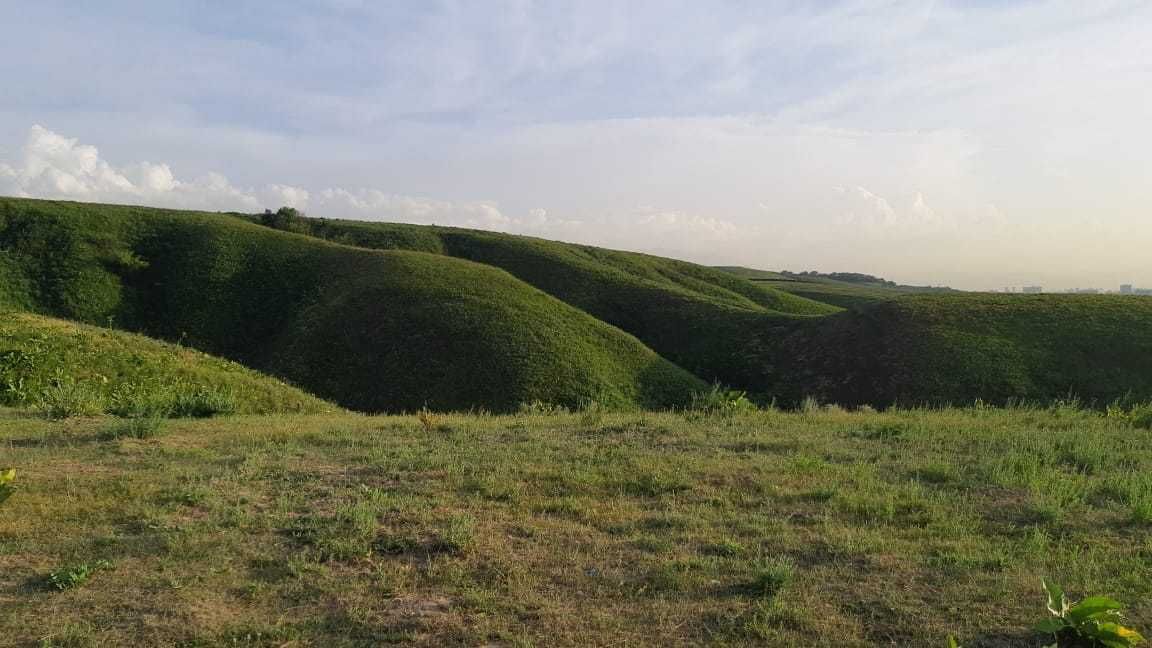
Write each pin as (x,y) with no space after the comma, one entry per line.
(391,317)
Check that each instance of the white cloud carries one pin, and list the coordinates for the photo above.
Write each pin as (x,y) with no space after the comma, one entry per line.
(55,166)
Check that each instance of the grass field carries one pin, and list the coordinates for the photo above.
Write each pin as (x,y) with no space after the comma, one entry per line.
(815,528)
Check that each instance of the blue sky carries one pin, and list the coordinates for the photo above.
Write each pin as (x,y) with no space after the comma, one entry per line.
(978,144)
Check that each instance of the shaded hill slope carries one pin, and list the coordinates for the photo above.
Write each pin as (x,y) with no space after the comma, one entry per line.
(112,367)
(372,330)
(698,317)
(956,348)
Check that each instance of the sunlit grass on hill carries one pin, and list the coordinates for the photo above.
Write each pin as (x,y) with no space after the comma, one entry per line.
(66,369)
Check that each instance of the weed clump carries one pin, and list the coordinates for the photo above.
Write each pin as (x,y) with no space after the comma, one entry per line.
(721,401)
(7,487)
(67,398)
(770,577)
(203,402)
(73,576)
(1094,621)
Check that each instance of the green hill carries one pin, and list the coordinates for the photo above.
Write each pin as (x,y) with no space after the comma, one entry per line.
(372,330)
(956,348)
(696,316)
(387,317)
(42,357)
(844,290)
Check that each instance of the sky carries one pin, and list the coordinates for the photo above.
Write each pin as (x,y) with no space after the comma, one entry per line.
(976,144)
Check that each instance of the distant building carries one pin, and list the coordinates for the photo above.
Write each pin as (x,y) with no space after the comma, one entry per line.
(1147,292)
(1126,289)
(1032,290)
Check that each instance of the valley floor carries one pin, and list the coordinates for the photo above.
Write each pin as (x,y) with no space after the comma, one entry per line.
(801,529)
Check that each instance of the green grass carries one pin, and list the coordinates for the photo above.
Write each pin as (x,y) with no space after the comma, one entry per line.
(371,330)
(823,528)
(65,369)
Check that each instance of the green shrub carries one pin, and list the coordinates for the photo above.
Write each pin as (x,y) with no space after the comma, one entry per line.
(7,487)
(203,402)
(721,401)
(145,427)
(1092,622)
(66,398)
(1141,416)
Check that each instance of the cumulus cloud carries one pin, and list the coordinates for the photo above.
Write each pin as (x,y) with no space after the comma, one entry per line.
(55,166)
(873,215)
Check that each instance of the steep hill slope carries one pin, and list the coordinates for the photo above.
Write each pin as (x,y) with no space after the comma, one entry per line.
(372,330)
(696,316)
(111,367)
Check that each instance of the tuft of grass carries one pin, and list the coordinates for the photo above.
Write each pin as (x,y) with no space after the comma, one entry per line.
(67,398)
(769,577)
(203,402)
(146,427)
(457,535)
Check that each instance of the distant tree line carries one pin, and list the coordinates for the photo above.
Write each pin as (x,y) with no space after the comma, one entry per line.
(848,277)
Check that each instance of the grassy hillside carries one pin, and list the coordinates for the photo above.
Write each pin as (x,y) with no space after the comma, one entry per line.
(469,319)
(826,289)
(955,348)
(752,274)
(825,528)
(696,316)
(368,329)
(49,362)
